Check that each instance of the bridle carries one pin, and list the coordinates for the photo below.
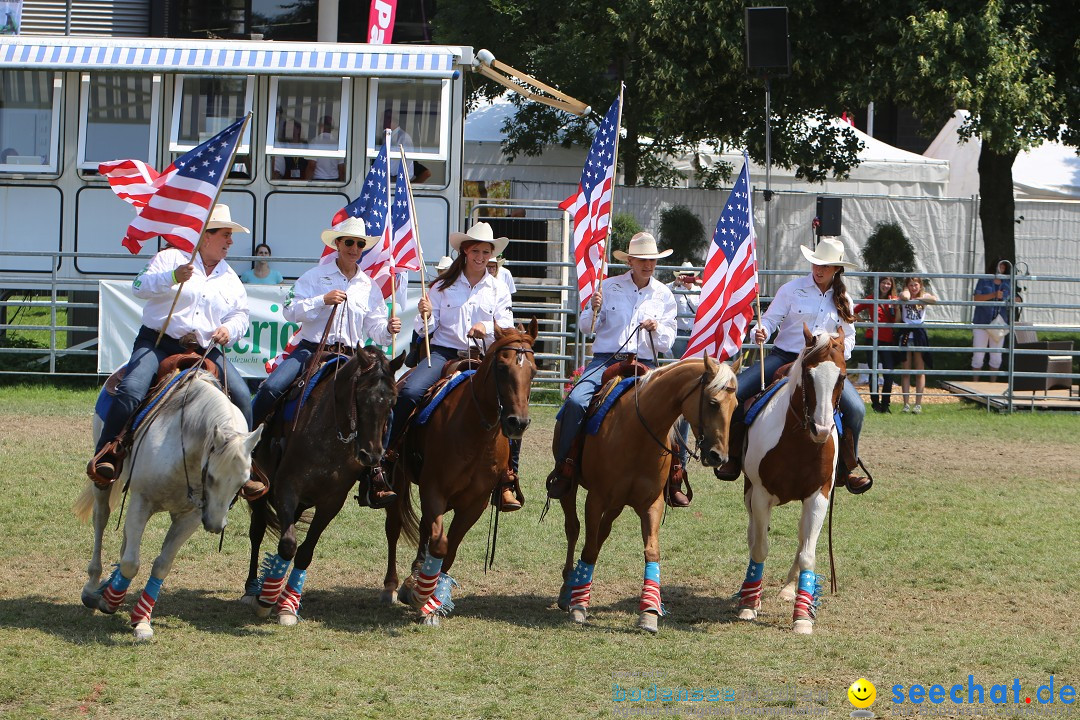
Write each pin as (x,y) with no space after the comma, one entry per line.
(353,382)
(521,350)
(805,381)
(699,432)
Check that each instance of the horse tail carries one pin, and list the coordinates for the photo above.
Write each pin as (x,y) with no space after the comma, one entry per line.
(84,504)
(406,513)
(273,522)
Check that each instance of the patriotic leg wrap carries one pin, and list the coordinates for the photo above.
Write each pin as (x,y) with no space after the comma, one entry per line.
(426,580)
(143,609)
(290,599)
(440,602)
(750,594)
(272,579)
(114,590)
(806,599)
(581,584)
(650,590)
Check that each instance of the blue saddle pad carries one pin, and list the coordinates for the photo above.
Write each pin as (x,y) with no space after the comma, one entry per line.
(157,398)
(293,405)
(445,390)
(596,420)
(761,402)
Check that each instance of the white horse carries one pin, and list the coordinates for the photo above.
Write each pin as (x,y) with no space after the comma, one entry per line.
(791,454)
(189,459)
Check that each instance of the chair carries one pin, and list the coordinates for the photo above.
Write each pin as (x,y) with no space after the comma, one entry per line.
(1055,369)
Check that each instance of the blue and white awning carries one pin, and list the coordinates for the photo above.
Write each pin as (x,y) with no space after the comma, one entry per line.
(233,56)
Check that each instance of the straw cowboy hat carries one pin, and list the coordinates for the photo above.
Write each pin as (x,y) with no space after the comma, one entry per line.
(444,262)
(349,227)
(497,260)
(220,217)
(480,231)
(687,268)
(643,247)
(830,251)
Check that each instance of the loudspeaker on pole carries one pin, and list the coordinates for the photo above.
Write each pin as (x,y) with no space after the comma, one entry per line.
(768,50)
(829,213)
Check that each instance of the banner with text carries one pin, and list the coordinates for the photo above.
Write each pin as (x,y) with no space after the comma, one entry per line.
(381,21)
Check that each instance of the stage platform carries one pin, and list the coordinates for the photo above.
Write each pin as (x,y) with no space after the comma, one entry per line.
(993,394)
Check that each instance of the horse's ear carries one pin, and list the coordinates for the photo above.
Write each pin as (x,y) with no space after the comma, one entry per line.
(711,366)
(737,364)
(397,362)
(840,334)
(534,328)
(499,332)
(252,439)
(807,335)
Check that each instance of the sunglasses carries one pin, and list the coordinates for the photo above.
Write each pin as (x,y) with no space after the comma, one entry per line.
(349,242)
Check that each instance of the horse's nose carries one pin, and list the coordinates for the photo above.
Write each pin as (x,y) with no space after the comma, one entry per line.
(713,458)
(515,426)
(368,458)
(821,432)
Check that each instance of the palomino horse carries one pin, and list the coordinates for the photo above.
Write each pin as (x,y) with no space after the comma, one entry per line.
(626,464)
(338,435)
(791,454)
(456,458)
(188,459)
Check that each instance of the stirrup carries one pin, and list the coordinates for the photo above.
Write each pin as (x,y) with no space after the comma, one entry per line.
(673,494)
(105,466)
(372,497)
(507,495)
(560,480)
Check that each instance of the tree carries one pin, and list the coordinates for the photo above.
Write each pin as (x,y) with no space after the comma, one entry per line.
(887,250)
(681,230)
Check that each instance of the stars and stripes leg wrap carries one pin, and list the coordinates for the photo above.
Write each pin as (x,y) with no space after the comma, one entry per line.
(145,606)
(806,598)
(272,579)
(650,590)
(440,602)
(427,577)
(581,584)
(114,590)
(290,599)
(750,594)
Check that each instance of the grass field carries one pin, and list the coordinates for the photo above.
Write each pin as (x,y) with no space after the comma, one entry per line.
(963,560)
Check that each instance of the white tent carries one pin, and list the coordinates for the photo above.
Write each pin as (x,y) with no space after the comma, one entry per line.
(1048,172)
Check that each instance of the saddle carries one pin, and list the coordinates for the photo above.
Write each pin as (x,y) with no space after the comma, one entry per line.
(450,370)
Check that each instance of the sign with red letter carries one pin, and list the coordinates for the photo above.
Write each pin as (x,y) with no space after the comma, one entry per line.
(381,21)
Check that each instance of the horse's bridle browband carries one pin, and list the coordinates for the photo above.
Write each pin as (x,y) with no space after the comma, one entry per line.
(805,372)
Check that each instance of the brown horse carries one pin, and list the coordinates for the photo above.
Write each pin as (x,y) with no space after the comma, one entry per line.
(626,463)
(456,459)
(791,454)
(338,435)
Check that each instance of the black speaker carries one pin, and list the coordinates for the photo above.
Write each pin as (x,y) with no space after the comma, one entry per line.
(767,47)
(829,212)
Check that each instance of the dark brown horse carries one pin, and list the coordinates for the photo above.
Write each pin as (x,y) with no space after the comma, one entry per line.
(456,459)
(791,454)
(338,436)
(627,462)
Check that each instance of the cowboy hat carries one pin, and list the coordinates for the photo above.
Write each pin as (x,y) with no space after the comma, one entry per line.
(829,251)
(498,260)
(349,227)
(643,247)
(220,217)
(687,268)
(444,262)
(481,231)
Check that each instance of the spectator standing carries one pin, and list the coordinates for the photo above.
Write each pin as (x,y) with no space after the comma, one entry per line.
(260,272)
(995,292)
(914,299)
(886,340)
(686,287)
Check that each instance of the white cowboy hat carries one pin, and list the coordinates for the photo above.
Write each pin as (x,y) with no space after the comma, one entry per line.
(498,260)
(687,268)
(643,247)
(830,251)
(480,231)
(444,262)
(349,227)
(220,217)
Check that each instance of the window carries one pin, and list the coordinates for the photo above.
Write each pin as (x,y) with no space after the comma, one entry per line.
(205,105)
(119,115)
(307,129)
(29,121)
(415,111)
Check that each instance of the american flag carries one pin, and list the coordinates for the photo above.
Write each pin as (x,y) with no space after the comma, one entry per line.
(406,255)
(730,278)
(590,207)
(176,203)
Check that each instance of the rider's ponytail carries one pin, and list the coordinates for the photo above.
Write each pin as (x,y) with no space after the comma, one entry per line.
(840,297)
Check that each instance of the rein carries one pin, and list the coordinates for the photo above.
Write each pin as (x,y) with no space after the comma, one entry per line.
(804,381)
(665,449)
(521,351)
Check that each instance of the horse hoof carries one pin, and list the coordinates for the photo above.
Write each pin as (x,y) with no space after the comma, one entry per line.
(261,611)
(747,614)
(388,597)
(143,632)
(287,619)
(91,599)
(647,621)
(578,615)
(804,627)
(431,620)
(787,594)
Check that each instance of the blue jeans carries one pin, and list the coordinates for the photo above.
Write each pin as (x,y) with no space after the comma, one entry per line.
(420,379)
(279,381)
(141,368)
(852,408)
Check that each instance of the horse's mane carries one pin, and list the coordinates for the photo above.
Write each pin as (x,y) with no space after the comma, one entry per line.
(821,341)
(203,397)
(714,386)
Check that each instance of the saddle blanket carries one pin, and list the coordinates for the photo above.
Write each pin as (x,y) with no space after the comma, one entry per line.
(426,413)
(763,399)
(592,426)
(105,400)
(295,402)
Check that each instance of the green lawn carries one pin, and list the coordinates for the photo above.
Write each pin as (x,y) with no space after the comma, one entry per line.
(962,560)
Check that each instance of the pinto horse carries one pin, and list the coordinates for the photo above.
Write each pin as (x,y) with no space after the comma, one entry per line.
(189,459)
(338,435)
(457,458)
(791,454)
(626,464)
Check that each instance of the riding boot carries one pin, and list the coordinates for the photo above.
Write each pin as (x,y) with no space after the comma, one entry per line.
(256,486)
(106,465)
(673,494)
(560,480)
(510,497)
(732,469)
(375,492)
(856,484)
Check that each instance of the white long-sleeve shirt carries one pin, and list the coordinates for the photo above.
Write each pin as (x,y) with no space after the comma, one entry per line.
(687,304)
(624,308)
(456,309)
(205,303)
(799,301)
(363,314)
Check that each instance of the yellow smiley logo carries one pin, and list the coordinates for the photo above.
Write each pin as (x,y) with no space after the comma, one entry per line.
(862,693)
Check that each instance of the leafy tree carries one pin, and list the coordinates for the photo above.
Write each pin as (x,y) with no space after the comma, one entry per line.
(681,230)
(887,250)
(623,227)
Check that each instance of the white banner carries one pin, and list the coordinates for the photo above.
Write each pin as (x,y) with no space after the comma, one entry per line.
(120,316)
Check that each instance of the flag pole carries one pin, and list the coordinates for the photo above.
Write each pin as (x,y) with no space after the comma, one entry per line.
(390,230)
(202,233)
(614,176)
(419,247)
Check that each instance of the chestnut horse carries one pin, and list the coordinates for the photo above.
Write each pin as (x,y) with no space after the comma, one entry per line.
(791,454)
(338,435)
(456,458)
(626,463)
